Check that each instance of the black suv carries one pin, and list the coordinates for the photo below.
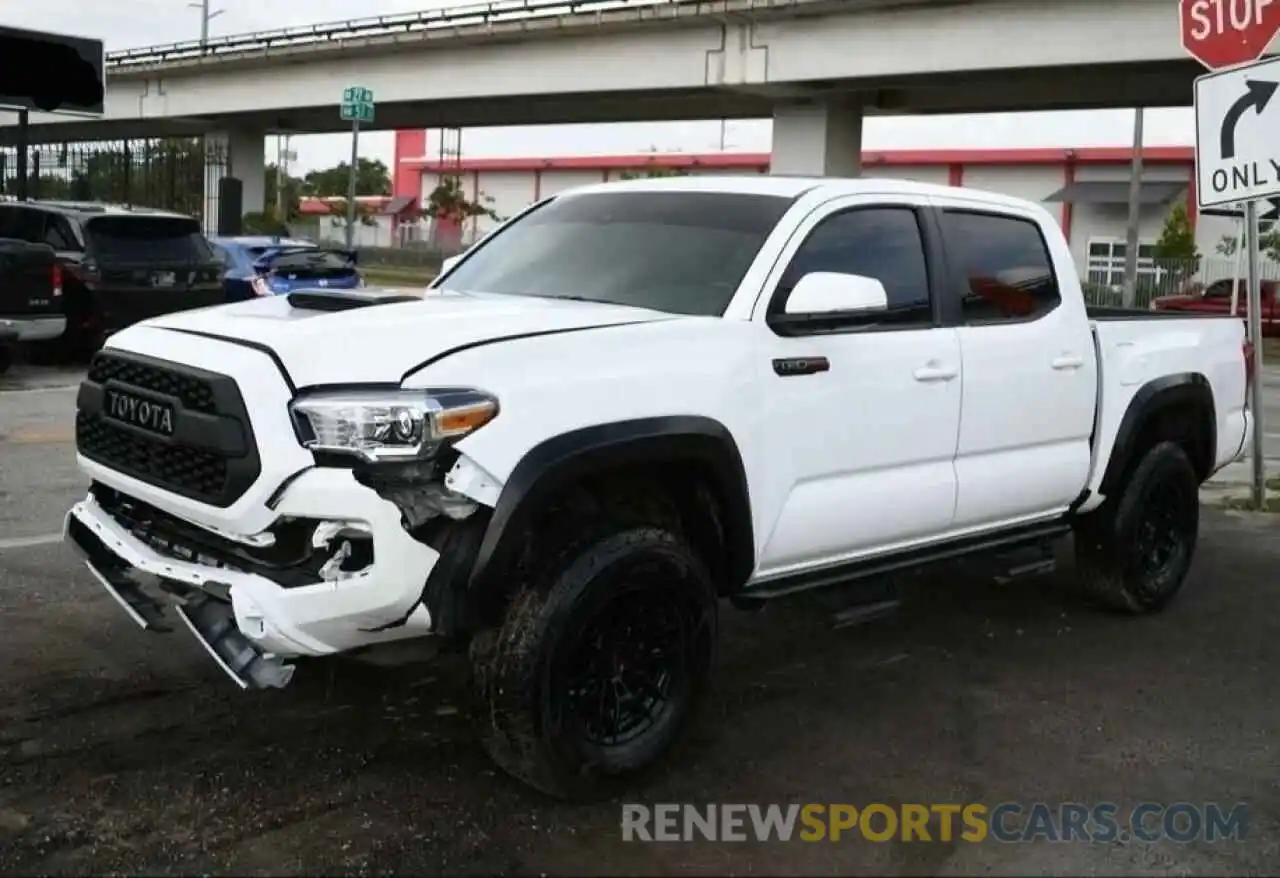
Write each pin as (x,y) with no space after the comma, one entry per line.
(120,264)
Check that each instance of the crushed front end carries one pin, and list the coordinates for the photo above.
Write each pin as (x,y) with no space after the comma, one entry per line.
(271,524)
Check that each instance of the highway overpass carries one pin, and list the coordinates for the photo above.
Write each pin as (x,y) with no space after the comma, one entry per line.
(815,66)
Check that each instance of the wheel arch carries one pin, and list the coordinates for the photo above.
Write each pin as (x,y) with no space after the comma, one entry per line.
(1179,407)
(557,462)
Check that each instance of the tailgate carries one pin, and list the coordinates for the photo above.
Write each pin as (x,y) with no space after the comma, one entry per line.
(30,280)
(151,265)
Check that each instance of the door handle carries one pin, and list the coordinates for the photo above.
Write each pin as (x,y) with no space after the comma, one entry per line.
(1068,361)
(935,371)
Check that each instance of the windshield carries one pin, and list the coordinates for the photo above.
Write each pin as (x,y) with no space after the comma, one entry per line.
(680,252)
(147,239)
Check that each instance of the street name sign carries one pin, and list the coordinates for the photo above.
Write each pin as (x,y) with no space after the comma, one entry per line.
(357,104)
(1238,134)
(1223,33)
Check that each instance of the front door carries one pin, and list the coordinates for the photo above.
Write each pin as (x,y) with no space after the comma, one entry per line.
(862,413)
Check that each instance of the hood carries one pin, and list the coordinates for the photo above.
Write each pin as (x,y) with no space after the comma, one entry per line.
(357,341)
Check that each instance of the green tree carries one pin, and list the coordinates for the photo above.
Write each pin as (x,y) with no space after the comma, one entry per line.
(448,200)
(293,187)
(1178,239)
(372,178)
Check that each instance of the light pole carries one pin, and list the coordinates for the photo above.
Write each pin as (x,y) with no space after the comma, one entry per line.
(205,17)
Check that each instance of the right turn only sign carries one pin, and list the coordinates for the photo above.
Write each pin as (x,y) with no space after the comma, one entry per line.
(1238,134)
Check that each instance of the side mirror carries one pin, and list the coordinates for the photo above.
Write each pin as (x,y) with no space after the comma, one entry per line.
(449,263)
(829,293)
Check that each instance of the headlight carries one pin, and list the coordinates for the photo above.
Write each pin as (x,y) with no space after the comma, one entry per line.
(390,424)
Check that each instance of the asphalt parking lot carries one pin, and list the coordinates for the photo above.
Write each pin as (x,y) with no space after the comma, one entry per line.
(127,752)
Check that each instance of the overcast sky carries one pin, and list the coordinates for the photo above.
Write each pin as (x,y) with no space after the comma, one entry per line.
(124,24)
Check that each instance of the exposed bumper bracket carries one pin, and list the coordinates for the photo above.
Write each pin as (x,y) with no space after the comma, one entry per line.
(214,625)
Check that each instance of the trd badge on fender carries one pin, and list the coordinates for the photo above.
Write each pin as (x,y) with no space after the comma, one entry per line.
(801,366)
(154,417)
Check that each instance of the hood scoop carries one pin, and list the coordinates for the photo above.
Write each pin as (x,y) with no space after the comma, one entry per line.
(316,300)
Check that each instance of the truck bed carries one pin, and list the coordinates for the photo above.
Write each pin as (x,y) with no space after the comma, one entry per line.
(1141,352)
(1107,312)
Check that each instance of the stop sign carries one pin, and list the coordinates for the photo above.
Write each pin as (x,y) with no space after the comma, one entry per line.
(1221,33)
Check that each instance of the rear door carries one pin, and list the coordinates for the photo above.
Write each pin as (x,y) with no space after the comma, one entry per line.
(149,265)
(1030,370)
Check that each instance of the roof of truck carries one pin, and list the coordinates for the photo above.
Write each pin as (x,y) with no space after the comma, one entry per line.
(792,186)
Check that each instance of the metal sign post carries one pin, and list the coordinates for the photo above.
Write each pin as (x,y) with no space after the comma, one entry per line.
(357,107)
(1254,314)
(1238,159)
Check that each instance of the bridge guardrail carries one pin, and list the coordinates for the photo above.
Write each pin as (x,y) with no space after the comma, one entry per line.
(409,22)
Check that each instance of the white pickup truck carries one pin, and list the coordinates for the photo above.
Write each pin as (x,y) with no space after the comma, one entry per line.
(630,401)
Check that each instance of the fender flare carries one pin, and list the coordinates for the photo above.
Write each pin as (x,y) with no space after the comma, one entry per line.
(556,462)
(1186,389)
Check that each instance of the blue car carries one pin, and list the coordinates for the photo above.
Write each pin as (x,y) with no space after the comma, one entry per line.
(265,266)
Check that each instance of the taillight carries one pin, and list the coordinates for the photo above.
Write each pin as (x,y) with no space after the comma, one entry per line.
(260,287)
(56,277)
(1247,350)
(86,274)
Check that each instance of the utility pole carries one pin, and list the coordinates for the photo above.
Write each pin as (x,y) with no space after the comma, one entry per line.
(1135,215)
(205,17)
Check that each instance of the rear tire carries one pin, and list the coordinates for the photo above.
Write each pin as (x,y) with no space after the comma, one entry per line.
(6,358)
(1133,553)
(598,664)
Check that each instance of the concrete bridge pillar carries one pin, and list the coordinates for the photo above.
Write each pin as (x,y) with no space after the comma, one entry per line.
(817,138)
(239,153)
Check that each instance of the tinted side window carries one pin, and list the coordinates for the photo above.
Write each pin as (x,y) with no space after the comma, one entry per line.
(1008,274)
(1219,289)
(23,224)
(58,234)
(882,242)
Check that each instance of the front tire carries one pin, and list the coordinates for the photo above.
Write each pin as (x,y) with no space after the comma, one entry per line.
(598,665)
(1133,553)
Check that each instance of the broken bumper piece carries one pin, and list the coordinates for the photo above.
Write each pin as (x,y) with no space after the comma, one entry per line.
(249,623)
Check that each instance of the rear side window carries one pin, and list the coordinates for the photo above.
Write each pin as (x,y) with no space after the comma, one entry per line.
(22,224)
(147,239)
(1007,273)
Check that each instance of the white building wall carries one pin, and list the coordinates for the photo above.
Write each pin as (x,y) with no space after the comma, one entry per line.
(1100,223)
(936,174)
(1032,182)
(555,182)
(510,191)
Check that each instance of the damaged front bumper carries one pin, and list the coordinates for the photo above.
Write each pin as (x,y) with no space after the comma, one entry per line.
(252,617)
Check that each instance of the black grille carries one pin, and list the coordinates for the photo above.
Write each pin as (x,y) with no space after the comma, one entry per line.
(194,393)
(192,472)
(210,456)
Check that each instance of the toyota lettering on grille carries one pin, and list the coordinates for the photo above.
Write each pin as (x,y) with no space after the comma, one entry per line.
(146,414)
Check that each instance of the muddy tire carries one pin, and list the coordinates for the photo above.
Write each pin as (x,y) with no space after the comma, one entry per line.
(598,664)
(1133,552)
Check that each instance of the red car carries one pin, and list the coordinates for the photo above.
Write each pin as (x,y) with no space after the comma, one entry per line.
(1216,299)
